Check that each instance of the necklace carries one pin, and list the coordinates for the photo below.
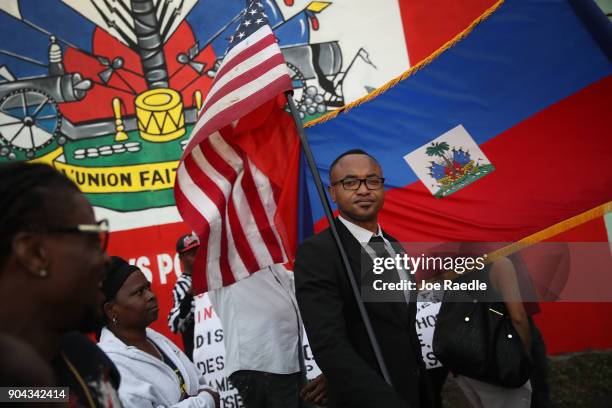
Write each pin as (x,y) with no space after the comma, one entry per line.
(80,380)
(168,362)
(161,356)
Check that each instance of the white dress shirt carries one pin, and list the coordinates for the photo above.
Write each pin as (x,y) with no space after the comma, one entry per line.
(364,236)
(261,322)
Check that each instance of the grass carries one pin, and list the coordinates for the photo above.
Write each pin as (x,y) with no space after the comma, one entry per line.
(581,380)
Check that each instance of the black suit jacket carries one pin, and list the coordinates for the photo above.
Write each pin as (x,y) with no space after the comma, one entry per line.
(337,334)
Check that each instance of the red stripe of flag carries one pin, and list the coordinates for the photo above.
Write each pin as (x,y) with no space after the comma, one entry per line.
(239,109)
(246,54)
(248,100)
(201,227)
(223,168)
(214,193)
(245,78)
(259,213)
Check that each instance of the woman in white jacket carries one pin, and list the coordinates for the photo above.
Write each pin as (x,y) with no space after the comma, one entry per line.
(154,372)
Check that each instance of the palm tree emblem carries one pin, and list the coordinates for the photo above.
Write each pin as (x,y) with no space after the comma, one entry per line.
(438,149)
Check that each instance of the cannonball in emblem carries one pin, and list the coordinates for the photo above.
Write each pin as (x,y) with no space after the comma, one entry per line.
(308,101)
(311,91)
(318,98)
(4,151)
(321,108)
(311,110)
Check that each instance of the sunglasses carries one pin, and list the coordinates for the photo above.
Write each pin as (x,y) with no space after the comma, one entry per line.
(101,228)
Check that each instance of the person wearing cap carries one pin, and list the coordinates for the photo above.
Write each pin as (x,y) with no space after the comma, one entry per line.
(154,372)
(180,318)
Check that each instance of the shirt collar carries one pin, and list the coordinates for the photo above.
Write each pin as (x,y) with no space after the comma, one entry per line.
(361,234)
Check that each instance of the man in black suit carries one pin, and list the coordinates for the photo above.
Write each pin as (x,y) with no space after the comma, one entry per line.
(335,328)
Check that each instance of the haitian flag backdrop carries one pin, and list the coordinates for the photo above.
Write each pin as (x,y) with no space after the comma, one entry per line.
(501,136)
(107,91)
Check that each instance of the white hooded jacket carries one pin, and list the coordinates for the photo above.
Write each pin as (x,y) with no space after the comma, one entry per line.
(148,382)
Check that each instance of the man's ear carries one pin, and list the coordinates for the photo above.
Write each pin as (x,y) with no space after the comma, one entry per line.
(332,193)
(30,253)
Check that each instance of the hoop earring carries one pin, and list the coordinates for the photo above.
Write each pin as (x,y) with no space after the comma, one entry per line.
(115,320)
(43,273)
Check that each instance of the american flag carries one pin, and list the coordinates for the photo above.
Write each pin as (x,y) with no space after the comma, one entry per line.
(220,191)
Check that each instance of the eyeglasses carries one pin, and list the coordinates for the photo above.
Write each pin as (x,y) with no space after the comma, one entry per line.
(353,184)
(101,228)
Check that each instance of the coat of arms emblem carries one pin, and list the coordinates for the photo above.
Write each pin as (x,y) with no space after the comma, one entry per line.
(449,163)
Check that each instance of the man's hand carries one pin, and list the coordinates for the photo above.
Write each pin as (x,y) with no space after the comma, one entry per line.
(315,391)
(214,394)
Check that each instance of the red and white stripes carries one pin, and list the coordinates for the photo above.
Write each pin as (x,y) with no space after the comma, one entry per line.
(220,193)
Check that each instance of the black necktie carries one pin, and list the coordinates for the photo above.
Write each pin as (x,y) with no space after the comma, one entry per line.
(377,243)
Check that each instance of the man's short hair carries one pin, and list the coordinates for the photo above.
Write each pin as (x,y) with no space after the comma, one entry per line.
(347,153)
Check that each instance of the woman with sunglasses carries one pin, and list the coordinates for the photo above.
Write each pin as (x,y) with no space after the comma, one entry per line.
(154,371)
(52,262)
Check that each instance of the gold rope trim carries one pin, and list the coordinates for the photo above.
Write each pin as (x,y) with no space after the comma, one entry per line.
(539,236)
(409,72)
(551,231)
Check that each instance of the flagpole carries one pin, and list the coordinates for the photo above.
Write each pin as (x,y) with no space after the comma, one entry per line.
(332,226)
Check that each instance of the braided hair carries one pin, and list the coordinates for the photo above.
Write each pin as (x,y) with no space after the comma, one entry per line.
(28,199)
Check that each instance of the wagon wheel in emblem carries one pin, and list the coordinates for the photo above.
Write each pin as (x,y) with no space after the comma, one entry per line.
(299,84)
(29,121)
